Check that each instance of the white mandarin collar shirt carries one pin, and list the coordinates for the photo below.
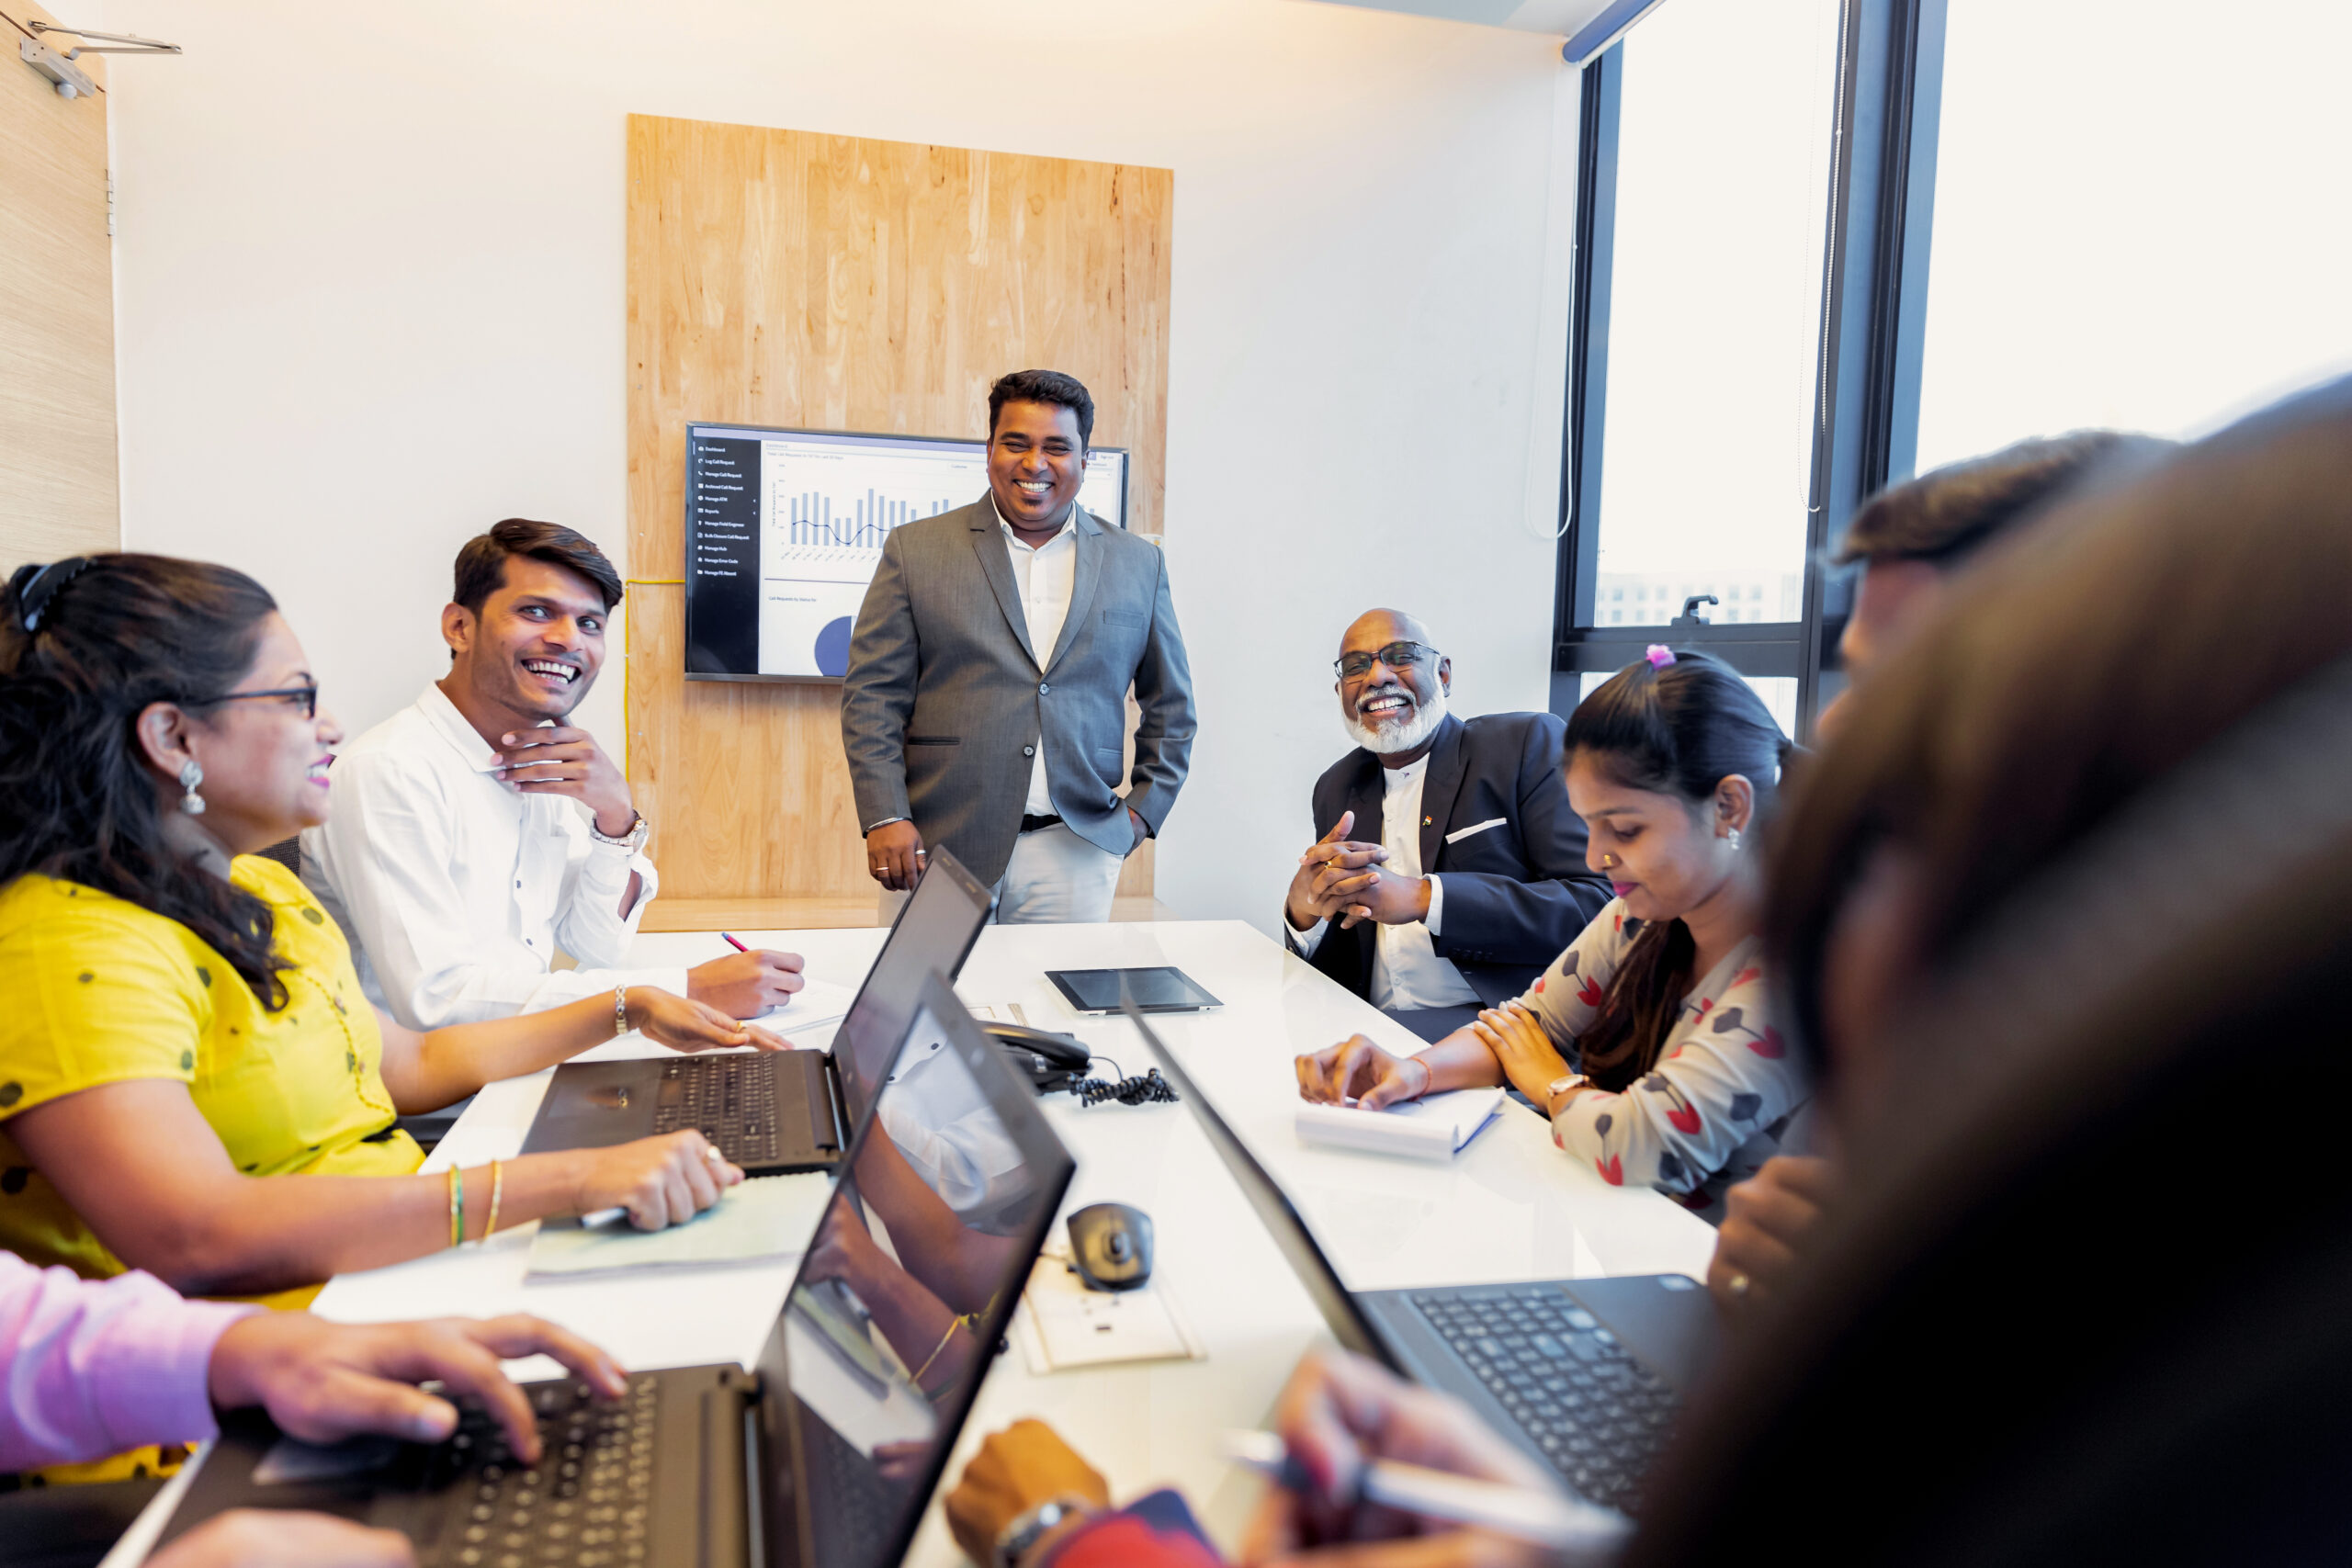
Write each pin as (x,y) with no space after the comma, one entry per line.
(1407,972)
(457,890)
(1046,575)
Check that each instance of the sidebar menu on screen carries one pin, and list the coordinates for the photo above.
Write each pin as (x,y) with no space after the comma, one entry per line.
(722,556)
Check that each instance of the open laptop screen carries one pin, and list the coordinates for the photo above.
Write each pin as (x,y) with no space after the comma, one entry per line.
(901,1299)
(935,930)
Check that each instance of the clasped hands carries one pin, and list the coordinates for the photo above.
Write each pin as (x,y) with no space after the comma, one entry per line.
(1341,878)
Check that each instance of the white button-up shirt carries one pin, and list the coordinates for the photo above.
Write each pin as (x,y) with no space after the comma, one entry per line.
(1046,575)
(456,890)
(1407,972)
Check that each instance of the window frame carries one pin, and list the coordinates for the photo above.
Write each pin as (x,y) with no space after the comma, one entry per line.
(1889,88)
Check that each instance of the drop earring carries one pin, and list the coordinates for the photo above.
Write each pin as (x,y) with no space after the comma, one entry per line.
(192,775)
(1733,838)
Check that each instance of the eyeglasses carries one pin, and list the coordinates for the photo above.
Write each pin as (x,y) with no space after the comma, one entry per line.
(306,696)
(1396,656)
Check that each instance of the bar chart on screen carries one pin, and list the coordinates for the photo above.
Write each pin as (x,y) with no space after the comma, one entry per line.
(785,528)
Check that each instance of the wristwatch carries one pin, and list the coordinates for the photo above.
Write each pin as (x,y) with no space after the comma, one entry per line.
(632,841)
(1013,1542)
(1560,1086)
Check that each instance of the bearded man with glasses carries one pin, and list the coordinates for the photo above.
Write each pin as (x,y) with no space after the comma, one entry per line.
(1450,868)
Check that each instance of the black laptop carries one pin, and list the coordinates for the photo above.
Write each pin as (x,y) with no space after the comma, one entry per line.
(776,1111)
(825,1455)
(1585,1376)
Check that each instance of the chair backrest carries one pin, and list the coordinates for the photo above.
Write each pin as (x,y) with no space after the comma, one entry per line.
(2090,1302)
(286,852)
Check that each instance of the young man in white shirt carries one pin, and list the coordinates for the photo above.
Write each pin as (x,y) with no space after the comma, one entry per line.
(473,834)
(1470,875)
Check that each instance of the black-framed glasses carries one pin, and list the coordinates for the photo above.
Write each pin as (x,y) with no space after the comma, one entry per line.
(1396,656)
(308,696)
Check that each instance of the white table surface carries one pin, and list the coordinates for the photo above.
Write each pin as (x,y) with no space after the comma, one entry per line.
(1511,1207)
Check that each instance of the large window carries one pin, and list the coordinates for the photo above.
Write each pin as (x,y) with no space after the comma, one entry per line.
(2141,217)
(1714,315)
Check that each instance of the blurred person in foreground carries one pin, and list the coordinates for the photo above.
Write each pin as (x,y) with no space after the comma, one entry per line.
(2063,915)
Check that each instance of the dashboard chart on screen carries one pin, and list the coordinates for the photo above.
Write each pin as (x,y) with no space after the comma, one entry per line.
(785,528)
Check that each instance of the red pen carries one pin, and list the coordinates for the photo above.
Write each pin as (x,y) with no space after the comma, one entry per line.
(733,944)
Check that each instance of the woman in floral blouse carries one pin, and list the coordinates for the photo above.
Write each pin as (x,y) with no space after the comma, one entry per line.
(1650,1041)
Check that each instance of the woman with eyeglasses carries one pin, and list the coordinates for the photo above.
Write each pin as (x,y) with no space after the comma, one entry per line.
(1650,1041)
(191,1081)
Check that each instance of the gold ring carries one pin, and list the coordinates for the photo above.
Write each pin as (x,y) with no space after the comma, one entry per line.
(1737,1284)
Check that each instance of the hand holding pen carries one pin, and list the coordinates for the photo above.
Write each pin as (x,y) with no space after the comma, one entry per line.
(1369,1458)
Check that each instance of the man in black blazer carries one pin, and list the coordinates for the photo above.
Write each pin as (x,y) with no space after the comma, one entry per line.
(1450,869)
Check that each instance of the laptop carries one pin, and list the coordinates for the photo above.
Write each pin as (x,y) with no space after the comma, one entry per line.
(777,1110)
(826,1453)
(1585,1375)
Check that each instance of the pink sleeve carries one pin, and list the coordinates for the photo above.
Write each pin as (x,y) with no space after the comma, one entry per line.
(93,1368)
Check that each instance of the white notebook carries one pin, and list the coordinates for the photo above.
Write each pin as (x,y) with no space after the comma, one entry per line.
(1435,1128)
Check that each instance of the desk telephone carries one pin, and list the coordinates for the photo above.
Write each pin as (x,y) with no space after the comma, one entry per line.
(1055,1063)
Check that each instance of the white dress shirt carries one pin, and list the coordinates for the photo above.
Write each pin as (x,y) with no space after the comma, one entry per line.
(1044,575)
(456,890)
(1407,972)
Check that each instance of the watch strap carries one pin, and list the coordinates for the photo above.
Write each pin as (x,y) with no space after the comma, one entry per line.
(1016,1540)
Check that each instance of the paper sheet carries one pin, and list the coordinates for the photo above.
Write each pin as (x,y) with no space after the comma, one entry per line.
(1063,1325)
(765,1217)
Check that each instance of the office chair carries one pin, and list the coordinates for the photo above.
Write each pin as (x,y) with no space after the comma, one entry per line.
(2093,1299)
(286,852)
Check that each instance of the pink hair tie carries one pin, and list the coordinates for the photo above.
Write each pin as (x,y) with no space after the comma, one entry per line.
(1659,656)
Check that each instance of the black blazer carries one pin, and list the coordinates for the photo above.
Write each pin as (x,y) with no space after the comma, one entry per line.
(1516,894)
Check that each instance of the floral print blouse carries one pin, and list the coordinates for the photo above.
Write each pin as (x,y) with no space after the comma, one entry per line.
(1723,1085)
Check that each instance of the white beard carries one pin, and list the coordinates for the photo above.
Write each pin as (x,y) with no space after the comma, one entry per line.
(1388,739)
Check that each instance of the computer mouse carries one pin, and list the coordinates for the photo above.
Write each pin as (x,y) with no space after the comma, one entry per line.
(1111,1246)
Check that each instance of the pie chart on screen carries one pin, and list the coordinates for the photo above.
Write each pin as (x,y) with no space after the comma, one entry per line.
(833,648)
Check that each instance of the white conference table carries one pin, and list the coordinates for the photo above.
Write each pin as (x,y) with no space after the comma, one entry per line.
(1509,1207)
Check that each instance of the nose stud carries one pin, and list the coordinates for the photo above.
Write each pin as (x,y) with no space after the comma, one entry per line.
(1608,862)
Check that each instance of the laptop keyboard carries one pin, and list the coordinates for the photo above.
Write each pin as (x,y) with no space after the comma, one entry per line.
(1595,1412)
(732,1100)
(585,1505)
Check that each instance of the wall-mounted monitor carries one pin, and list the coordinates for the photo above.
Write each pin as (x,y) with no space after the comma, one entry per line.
(785,528)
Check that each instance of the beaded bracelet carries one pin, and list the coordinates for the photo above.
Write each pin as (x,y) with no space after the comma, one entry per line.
(620,1011)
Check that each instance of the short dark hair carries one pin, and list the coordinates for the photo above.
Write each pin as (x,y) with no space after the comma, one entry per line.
(1949,513)
(1044,387)
(481,564)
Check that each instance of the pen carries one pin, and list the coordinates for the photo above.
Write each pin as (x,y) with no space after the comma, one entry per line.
(733,944)
(1545,1519)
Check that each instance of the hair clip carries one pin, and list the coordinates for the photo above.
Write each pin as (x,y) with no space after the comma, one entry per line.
(35,586)
(1659,655)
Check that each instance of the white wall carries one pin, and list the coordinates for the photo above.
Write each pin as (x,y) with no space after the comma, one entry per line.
(371,294)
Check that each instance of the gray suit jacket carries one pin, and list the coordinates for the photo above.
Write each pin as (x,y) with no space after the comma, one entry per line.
(946,702)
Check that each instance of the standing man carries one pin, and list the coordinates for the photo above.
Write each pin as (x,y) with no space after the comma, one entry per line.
(473,833)
(985,705)
(1470,876)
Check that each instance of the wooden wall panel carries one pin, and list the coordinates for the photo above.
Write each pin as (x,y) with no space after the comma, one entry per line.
(783,277)
(57,486)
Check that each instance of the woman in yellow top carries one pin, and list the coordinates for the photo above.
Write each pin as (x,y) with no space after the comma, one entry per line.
(183,1032)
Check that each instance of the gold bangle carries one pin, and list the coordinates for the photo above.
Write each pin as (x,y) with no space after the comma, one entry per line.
(952,1324)
(457,1205)
(497,1190)
(620,1011)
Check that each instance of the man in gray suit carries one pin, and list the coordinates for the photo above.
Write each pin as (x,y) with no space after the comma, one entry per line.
(985,705)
